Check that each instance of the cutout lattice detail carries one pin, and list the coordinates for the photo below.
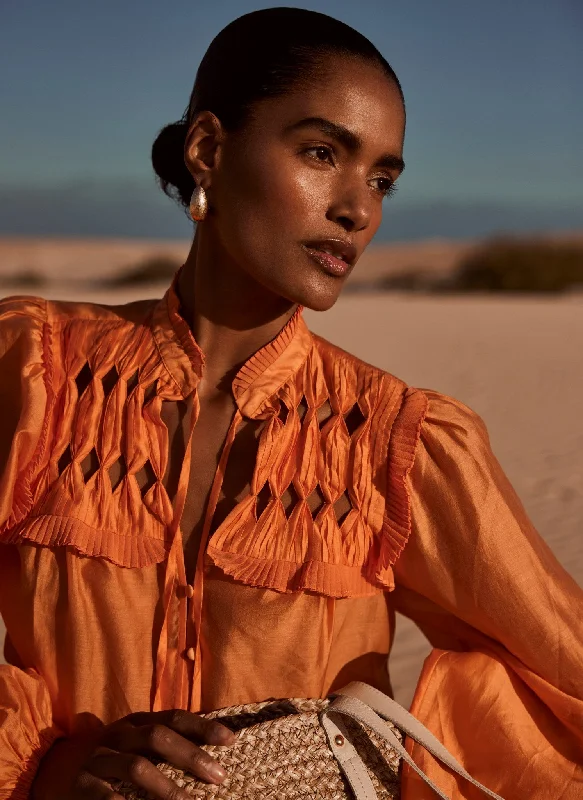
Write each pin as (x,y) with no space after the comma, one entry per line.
(84,378)
(354,419)
(263,499)
(289,499)
(283,413)
(109,381)
(342,507)
(65,460)
(316,502)
(302,409)
(237,483)
(324,414)
(117,472)
(150,392)
(90,465)
(326,419)
(132,382)
(146,478)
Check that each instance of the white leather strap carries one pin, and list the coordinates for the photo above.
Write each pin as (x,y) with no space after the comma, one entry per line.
(350,707)
(360,702)
(350,762)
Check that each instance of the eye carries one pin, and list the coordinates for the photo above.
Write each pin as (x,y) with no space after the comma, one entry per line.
(385,185)
(321,153)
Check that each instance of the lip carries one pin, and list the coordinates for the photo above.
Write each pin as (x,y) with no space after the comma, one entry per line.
(341,258)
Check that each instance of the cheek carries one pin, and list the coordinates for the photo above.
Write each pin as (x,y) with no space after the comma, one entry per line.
(277,192)
(309,191)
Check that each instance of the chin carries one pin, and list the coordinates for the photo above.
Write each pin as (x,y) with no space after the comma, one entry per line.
(312,289)
(319,298)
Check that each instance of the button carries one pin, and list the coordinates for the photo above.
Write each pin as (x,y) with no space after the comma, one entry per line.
(190,654)
(338,740)
(189,590)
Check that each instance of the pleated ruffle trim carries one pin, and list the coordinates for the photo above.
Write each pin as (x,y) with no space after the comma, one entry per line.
(123,550)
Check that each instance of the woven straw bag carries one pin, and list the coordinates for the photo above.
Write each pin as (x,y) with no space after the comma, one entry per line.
(347,747)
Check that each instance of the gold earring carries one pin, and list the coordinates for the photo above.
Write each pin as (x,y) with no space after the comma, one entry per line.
(198,204)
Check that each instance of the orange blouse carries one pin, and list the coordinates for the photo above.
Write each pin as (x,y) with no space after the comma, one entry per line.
(102,620)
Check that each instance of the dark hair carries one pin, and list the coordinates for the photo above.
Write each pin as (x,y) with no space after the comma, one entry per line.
(259,55)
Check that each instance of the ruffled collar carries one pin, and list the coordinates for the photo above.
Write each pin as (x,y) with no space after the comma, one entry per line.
(259,377)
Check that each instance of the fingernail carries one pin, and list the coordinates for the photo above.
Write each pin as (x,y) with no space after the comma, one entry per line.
(216,772)
(220,734)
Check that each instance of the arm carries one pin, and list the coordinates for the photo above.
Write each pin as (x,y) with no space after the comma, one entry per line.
(503,688)
(26,729)
(37,759)
(26,723)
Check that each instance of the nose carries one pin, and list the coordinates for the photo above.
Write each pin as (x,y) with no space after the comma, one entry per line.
(351,208)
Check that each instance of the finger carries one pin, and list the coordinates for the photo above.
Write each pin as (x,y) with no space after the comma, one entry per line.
(137,770)
(172,747)
(88,787)
(193,726)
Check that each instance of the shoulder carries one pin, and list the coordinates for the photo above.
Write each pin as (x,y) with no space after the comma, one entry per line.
(19,314)
(345,365)
(23,334)
(332,352)
(36,334)
(48,328)
(21,311)
(451,419)
(420,422)
(423,413)
(439,410)
(63,312)
(452,448)
(440,407)
(36,330)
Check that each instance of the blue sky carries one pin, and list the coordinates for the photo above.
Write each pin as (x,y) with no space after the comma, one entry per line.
(493,92)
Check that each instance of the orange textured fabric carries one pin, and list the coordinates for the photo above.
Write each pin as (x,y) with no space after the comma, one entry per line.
(284,601)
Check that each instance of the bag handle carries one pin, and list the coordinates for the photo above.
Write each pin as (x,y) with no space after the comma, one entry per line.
(345,753)
(360,702)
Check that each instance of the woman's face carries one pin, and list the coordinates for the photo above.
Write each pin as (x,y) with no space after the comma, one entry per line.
(308,174)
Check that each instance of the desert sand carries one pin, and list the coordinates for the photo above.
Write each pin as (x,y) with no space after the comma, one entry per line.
(516,361)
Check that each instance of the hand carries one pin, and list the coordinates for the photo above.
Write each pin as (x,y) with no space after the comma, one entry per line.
(121,749)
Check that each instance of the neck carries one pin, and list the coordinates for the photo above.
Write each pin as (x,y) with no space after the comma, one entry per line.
(231,315)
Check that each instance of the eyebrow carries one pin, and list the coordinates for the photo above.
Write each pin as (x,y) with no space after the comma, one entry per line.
(350,140)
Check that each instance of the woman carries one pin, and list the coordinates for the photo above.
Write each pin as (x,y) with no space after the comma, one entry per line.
(203,504)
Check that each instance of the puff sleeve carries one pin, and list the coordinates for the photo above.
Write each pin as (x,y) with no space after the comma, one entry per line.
(503,686)
(26,724)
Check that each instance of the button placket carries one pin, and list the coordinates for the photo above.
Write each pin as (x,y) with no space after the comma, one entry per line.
(187,591)
(195,608)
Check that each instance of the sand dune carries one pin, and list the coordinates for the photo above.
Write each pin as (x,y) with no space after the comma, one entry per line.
(517,362)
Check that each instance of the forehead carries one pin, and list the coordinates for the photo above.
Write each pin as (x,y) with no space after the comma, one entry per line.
(349,92)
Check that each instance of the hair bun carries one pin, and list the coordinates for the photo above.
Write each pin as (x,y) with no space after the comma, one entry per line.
(168,162)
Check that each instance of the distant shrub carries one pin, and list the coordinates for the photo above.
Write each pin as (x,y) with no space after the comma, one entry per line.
(156,269)
(508,265)
(24,278)
(407,280)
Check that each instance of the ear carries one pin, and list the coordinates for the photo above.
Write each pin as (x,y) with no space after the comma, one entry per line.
(202,147)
